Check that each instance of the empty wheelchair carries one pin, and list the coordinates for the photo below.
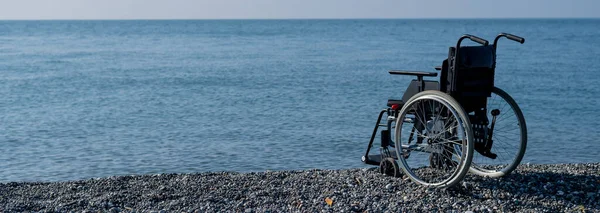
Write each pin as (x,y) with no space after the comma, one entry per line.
(440,130)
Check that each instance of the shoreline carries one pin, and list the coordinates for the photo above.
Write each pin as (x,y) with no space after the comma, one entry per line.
(530,188)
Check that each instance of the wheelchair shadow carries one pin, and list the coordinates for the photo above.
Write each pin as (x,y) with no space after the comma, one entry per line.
(543,191)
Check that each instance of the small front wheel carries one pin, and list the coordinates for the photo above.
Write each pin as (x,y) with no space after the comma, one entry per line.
(389,167)
(434,139)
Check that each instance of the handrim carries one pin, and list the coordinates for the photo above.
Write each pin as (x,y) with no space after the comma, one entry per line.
(461,118)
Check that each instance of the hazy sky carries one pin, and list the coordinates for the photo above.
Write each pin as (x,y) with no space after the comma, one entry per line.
(282,9)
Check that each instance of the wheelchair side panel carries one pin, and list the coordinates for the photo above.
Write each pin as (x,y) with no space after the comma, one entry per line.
(413,88)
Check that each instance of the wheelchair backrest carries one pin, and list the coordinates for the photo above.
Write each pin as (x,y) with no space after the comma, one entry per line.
(469,77)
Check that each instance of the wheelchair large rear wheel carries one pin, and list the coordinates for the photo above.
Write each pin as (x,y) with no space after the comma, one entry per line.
(509,137)
(434,140)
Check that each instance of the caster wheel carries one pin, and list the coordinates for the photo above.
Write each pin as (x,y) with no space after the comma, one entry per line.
(389,167)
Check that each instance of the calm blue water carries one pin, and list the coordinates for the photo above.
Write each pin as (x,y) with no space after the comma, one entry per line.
(82,99)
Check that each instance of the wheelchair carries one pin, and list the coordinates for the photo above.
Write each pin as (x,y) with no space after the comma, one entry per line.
(441,130)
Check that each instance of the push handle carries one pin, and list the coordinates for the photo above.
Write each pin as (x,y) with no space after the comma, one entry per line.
(477,39)
(514,37)
(509,36)
(472,38)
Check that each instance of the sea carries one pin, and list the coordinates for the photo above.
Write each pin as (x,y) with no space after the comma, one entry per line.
(85,99)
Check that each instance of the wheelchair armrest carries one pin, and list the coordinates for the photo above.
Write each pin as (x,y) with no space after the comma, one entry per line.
(417,73)
(438,68)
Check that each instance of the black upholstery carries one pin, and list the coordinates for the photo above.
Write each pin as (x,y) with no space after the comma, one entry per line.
(471,80)
(476,57)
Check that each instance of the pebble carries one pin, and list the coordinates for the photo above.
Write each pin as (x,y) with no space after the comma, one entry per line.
(531,188)
(466,185)
(389,186)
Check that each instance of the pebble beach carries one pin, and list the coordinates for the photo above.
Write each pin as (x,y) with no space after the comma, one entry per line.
(531,188)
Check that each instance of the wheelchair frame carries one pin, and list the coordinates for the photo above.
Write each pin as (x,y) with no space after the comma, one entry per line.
(467,78)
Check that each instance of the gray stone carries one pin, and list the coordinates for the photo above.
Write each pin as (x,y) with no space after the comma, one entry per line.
(114,210)
(389,186)
(305,191)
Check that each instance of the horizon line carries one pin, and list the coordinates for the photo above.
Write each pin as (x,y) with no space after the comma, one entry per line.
(281,19)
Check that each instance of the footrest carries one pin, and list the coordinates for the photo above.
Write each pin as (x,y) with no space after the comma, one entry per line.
(480,147)
(376,159)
